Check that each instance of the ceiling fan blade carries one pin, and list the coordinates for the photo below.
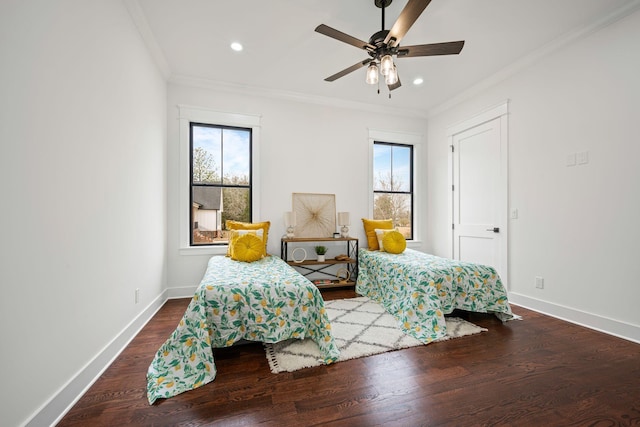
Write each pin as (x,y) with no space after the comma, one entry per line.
(396,85)
(447,48)
(346,71)
(345,38)
(408,16)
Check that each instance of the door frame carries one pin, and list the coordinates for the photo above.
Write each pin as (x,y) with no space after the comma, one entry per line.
(501,112)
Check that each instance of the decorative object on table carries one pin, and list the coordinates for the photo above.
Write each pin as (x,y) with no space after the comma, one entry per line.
(290,223)
(321,251)
(303,256)
(315,214)
(336,235)
(345,222)
(327,267)
(343,275)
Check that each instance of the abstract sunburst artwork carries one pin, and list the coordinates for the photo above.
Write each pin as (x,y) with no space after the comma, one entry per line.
(315,214)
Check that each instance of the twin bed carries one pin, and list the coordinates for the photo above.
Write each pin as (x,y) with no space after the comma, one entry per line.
(265,300)
(418,289)
(268,301)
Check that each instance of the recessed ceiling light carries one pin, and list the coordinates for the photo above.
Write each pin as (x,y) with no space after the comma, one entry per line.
(418,81)
(236,46)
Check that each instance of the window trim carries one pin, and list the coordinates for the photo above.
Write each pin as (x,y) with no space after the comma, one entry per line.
(186,116)
(403,138)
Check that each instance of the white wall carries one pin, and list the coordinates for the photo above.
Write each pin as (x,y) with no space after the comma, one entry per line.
(304,148)
(577,226)
(84,167)
(83,184)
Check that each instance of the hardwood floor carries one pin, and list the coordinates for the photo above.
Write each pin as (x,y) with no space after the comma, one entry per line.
(536,372)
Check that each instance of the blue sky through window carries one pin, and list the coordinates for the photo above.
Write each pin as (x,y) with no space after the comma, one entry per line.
(392,161)
(236,155)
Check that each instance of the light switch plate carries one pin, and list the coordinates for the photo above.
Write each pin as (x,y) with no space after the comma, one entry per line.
(582,157)
(571,159)
(514,213)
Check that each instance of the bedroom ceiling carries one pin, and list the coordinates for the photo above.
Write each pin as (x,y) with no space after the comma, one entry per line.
(283,55)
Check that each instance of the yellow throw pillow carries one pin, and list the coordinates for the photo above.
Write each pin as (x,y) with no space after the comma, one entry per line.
(237,225)
(379,235)
(247,248)
(394,242)
(235,234)
(370,226)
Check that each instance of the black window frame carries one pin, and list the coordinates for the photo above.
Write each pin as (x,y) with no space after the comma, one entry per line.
(221,185)
(411,177)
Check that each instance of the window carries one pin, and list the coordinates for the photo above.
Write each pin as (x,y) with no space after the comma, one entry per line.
(219,155)
(393,185)
(220,180)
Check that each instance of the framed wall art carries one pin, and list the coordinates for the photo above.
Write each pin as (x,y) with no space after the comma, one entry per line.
(315,214)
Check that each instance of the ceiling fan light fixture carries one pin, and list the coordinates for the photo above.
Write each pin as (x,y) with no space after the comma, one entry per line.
(392,76)
(372,74)
(385,44)
(386,64)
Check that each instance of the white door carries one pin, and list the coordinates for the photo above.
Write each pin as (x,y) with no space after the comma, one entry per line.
(479,172)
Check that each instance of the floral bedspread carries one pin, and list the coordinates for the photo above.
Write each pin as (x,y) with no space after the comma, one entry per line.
(418,289)
(266,301)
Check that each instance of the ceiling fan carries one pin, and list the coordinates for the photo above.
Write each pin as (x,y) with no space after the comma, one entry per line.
(385,44)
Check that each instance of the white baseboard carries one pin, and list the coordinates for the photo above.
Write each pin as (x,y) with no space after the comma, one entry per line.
(52,411)
(182,292)
(609,326)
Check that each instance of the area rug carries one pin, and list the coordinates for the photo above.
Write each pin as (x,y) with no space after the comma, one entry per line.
(360,328)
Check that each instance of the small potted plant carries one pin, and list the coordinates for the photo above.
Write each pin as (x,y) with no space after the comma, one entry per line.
(320,251)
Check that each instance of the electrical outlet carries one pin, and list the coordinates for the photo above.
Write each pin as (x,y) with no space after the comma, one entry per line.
(137,295)
(539,282)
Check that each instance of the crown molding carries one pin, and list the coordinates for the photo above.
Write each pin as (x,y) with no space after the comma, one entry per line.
(138,17)
(141,23)
(536,55)
(235,88)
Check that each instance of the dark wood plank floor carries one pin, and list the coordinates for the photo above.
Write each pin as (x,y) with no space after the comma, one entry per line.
(536,372)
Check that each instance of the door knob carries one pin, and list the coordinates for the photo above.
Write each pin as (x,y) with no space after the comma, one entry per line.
(494,229)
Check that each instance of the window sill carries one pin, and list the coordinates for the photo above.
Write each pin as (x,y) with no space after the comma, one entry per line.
(204,250)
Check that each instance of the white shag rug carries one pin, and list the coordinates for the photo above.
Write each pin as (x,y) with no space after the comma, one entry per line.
(360,328)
